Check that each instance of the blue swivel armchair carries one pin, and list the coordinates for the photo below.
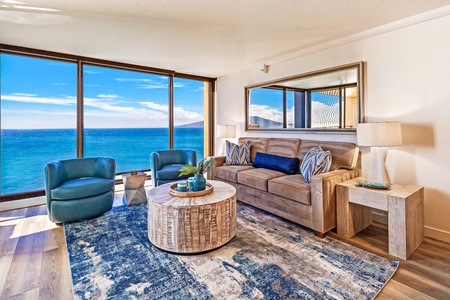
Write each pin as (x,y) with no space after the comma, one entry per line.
(166,164)
(79,188)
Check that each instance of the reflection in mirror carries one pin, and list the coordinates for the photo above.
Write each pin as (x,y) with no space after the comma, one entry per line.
(329,100)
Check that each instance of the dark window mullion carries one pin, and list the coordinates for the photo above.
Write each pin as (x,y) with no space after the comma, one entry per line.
(80,109)
(171,114)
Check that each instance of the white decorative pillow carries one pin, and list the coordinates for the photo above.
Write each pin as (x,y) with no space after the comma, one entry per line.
(315,161)
(238,154)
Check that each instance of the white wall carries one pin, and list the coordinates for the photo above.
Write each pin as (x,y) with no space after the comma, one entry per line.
(407,80)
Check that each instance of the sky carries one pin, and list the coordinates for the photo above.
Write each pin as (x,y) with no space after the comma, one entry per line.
(41,93)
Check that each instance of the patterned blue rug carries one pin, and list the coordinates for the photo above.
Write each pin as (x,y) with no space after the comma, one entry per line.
(270,258)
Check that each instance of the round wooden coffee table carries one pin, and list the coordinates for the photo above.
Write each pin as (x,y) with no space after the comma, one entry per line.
(191,224)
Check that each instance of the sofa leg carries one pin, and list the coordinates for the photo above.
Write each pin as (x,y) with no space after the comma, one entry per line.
(320,234)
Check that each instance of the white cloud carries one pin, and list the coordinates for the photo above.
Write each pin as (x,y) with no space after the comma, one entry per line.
(133,79)
(95,102)
(105,96)
(199,89)
(152,86)
(185,117)
(150,83)
(267,112)
(23,94)
(108,114)
(181,115)
(155,106)
(18,97)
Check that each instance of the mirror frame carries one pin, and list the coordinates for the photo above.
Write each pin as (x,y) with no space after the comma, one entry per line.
(359,66)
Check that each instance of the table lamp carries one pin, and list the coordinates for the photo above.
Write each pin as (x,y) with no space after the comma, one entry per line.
(226,132)
(379,136)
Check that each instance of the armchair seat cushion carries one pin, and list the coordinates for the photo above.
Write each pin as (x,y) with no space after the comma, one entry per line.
(169,172)
(82,188)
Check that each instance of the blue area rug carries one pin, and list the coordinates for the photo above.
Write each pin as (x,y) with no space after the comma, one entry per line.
(270,258)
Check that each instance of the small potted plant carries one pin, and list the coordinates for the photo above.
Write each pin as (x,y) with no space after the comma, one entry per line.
(203,166)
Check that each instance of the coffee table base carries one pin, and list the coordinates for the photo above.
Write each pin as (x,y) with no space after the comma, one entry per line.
(192,225)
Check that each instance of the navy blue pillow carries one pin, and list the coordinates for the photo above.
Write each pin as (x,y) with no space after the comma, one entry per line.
(283,164)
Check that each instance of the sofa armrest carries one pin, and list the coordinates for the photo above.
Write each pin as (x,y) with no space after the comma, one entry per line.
(323,197)
(218,161)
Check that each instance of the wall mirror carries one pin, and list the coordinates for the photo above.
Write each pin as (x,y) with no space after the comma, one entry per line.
(329,100)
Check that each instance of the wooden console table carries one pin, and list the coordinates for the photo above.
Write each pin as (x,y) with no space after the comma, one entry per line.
(405,207)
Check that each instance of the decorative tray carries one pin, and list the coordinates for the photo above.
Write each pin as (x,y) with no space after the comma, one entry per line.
(173,191)
(373,185)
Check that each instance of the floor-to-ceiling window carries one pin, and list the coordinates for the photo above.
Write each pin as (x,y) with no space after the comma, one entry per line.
(57,106)
(188,114)
(125,115)
(38,119)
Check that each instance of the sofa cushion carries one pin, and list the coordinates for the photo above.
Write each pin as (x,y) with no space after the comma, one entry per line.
(292,187)
(316,161)
(229,173)
(287,147)
(257,178)
(344,154)
(82,188)
(257,145)
(283,164)
(237,154)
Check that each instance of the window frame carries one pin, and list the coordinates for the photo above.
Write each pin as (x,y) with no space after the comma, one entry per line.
(80,61)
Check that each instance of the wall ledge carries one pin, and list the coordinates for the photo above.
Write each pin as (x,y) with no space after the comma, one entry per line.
(17,204)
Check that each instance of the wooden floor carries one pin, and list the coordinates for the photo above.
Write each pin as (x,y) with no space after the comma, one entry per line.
(34,262)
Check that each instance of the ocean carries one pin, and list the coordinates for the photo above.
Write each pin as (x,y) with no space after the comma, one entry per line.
(25,152)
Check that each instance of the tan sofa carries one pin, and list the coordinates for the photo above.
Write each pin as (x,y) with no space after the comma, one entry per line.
(289,196)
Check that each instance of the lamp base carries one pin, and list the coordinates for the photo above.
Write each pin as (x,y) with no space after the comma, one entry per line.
(378,172)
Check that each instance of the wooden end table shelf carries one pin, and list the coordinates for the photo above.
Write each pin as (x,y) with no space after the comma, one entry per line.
(403,203)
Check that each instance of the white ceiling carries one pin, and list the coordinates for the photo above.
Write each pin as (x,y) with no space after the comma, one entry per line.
(202,37)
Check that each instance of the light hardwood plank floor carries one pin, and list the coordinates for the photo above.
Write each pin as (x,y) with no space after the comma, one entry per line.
(34,262)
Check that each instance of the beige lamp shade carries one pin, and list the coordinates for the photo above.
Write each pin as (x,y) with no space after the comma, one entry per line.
(383,134)
(379,136)
(226,131)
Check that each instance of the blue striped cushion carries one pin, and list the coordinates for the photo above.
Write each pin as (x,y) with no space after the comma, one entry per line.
(315,161)
(238,154)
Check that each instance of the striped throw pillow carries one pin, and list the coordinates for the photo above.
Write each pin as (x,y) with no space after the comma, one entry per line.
(316,161)
(237,154)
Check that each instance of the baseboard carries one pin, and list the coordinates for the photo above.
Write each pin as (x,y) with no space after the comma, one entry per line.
(437,234)
(381,217)
(16,204)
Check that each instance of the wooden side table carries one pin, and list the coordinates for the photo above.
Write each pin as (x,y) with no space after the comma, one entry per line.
(405,207)
(134,190)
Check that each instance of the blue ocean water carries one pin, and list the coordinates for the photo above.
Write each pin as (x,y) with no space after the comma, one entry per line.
(24,153)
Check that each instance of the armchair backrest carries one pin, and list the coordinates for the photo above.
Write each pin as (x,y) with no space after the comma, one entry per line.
(158,159)
(59,171)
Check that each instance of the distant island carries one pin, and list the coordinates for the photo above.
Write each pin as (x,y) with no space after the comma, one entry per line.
(199,124)
(265,123)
